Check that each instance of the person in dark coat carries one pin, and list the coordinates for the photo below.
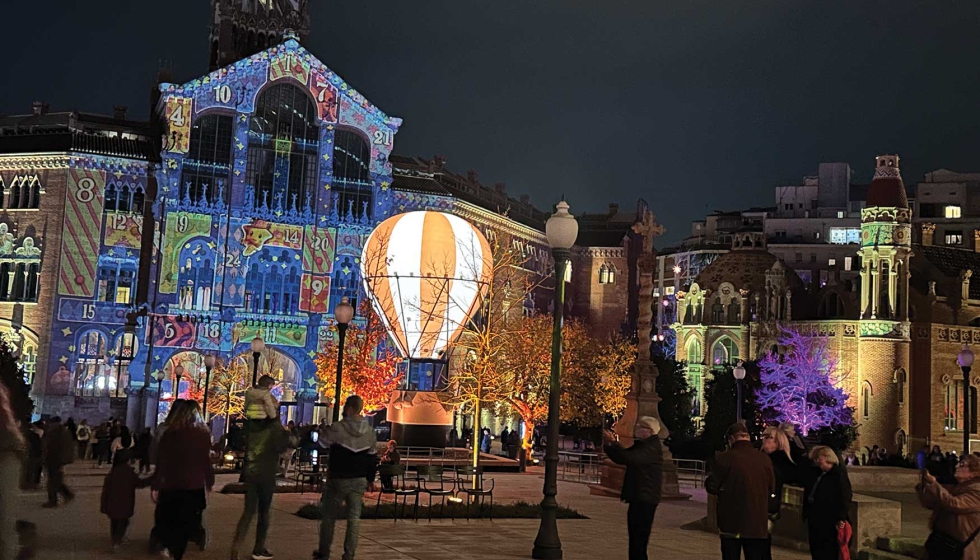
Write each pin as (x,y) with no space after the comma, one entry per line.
(777,446)
(744,480)
(119,495)
(826,501)
(102,443)
(504,440)
(59,450)
(644,461)
(35,456)
(141,451)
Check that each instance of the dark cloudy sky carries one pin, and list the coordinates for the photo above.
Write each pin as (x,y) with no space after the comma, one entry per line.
(690,104)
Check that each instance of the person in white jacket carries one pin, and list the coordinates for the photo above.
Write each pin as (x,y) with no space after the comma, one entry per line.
(84,435)
(259,402)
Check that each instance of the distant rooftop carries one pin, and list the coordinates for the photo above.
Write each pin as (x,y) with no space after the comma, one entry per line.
(73,131)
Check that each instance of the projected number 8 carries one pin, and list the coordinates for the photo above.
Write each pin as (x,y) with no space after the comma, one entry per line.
(86,190)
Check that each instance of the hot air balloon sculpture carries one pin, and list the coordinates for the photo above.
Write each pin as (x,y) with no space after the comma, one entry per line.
(426,273)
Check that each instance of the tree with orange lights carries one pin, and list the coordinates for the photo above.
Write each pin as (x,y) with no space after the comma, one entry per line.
(370,362)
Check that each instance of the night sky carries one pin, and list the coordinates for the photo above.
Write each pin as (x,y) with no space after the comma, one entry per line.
(693,105)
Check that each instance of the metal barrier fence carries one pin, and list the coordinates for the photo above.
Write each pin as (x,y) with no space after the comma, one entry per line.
(579,467)
(690,471)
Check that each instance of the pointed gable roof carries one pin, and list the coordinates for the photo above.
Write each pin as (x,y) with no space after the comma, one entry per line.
(236,86)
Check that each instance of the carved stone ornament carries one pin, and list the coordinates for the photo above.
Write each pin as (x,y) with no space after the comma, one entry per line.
(945,379)
(647,386)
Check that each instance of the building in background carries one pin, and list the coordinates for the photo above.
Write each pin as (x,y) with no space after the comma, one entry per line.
(75,188)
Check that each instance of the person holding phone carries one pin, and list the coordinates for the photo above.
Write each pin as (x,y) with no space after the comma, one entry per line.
(955,512)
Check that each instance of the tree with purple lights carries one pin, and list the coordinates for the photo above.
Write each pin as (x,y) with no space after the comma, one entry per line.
(802,385)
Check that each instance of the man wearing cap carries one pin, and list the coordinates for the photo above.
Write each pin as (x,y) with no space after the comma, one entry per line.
(644,462)
(743,480)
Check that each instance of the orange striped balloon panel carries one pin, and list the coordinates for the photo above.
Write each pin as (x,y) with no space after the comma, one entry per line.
(426,273)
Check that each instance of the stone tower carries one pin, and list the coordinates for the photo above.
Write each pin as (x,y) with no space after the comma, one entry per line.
(883,348)
(241,28)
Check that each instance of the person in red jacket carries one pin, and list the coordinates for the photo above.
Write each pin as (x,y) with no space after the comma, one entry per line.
(119,496)
(183,477)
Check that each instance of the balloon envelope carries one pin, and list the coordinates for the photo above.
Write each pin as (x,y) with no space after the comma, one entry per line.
(426,273)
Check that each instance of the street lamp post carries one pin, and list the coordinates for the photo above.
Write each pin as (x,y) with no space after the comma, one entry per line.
(965,361)
(178,373)
(158,375)
(343,313)
(208,366)
(258,345)
(739,372)
(562,230)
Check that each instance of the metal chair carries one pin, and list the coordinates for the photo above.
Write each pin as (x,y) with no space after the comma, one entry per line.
(400,489)
(477,488)
(434,483)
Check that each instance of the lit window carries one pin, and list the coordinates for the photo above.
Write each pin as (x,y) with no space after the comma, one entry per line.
(656,292)
(612,275)
(831,262)
(953,212)
(603,274)
(840,213)
(954,237)
(669,290)
(847,263)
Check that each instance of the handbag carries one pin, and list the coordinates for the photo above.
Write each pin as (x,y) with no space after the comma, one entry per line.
(943,546)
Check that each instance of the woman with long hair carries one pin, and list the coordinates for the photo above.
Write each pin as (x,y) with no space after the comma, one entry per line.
(12,448)
(775,443)
(183,477)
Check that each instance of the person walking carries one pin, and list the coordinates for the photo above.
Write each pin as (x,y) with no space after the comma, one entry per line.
(123,442)
(644,461)
(265,445)
(504,440)
(183,477)
(102,443)
(352,468)
(119,496)
(955,512)
(59,450)
(83,435)
(776,445)
(141,450)
(827,498)
(744,482)
(12,450)
(35,455)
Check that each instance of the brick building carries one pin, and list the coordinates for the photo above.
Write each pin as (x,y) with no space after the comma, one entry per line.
(896,329)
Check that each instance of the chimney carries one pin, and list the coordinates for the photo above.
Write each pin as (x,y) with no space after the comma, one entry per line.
(613,209)
(526,199)
(40,108)
(119,112)
(473,176)
(439,162)
(501,189)
(928,233)
(976,240)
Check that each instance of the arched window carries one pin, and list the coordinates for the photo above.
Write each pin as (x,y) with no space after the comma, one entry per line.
(25,193)
(126,347)
(352,174)
(196,276)
(90,378)
(612,274)
(951,407)
(283,149)
(866,394)
(603,274)
(346,278)
(209,160)
(694,355)
(900,380)
(725,351)
(831,307)
(270,288)
(109,202)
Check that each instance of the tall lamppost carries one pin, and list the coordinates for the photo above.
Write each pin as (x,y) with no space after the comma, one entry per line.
(258,345)
(208,366)
(562,230)
(178,373)
(739,373)
(158,375)
(965,360)
(343,314)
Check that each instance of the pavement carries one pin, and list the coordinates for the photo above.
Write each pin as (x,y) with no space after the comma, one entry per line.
(78,532)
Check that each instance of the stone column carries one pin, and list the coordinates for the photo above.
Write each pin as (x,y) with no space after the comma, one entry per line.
(875,288)
(642,399)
